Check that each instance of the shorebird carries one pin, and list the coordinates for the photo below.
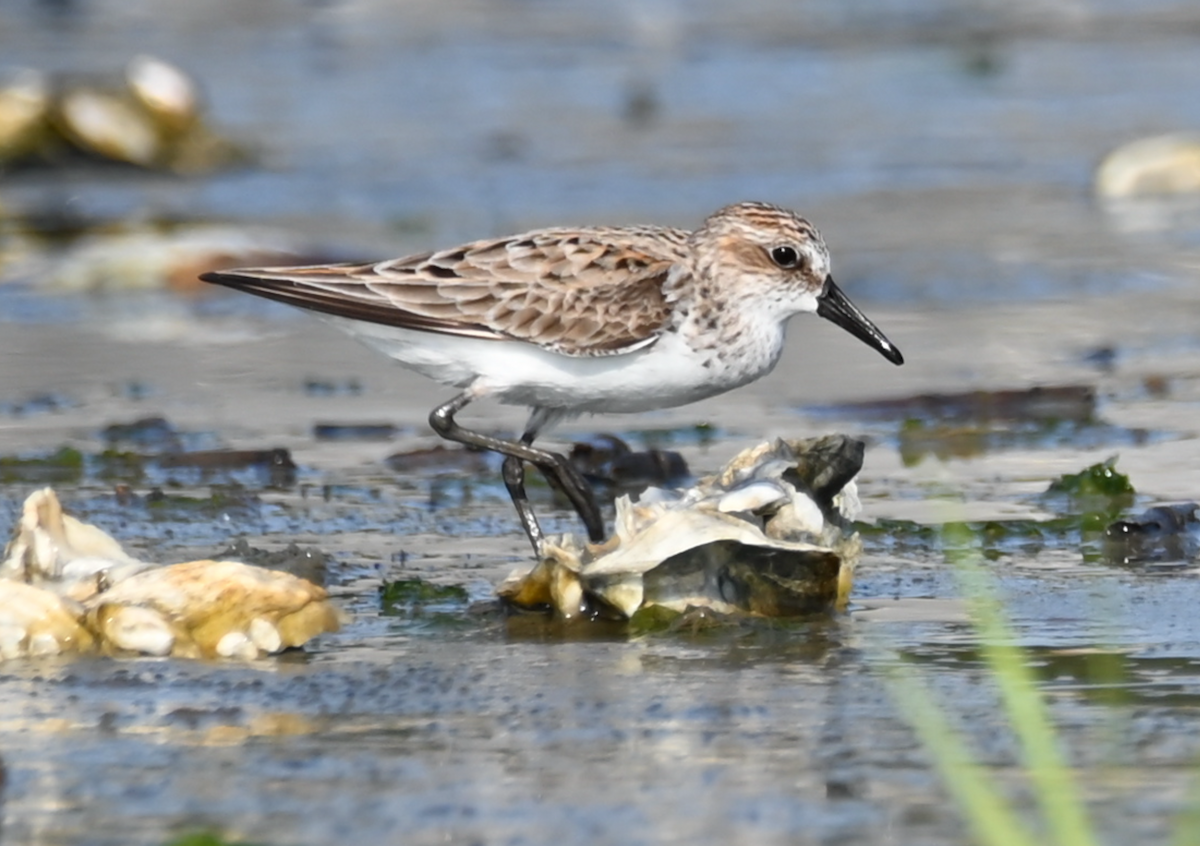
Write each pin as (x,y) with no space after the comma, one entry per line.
(580,320)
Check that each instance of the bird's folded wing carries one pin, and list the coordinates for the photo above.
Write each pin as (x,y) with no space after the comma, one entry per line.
(576,292)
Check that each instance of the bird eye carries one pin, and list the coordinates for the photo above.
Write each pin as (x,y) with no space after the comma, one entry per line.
(785,256)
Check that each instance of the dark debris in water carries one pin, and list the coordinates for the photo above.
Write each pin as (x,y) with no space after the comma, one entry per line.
(997,539)
(972,423)
(113,465)
(1163,533)
(40,403)
(611,465)
(274,465)
(271,468)
(918,439)
(355,431)
(441,459)
(1088,508)
(1086,504)
(318,387)
(1056,403)
(699,434)
(991,538)
(144,433)
(305,562)
(222,499)
(152,448)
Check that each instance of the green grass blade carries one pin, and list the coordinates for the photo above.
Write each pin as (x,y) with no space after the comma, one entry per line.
(991,819)
(1053,782)
(1186,830)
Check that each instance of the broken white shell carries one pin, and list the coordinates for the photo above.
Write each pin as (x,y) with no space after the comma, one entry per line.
(135,629)
(109,125)
(53,548)
(165,90)
(1158,165)
(35,621)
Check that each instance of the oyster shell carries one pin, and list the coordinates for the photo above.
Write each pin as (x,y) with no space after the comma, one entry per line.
(67,586)
(766,536)
(35,621)
(165,91)
(69,557)
(151,117)
(210,608)
(1157,165)
(110,125)
(24,104)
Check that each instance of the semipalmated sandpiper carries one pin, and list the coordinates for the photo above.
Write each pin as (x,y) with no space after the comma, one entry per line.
(567,321)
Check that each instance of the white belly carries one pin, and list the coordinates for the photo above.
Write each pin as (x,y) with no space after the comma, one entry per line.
(665,374)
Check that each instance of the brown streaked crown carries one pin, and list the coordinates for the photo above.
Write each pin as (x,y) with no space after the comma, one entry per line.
(741,238)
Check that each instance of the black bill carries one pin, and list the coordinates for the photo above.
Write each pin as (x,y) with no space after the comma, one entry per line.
(834,307)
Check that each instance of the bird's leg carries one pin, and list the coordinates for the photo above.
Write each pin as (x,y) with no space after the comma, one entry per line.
(514,480)
(562,474)
(556,468)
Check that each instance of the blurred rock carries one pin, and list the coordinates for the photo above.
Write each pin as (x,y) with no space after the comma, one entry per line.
(1159,165)
(155,257)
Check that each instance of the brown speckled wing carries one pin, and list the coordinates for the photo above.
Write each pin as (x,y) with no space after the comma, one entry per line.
(575,291)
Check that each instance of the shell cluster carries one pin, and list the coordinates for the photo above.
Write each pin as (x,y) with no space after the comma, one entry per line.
(151,117)
(68,587)
(767,535)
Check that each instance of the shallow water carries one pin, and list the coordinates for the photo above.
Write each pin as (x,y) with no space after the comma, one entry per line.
(944,150)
